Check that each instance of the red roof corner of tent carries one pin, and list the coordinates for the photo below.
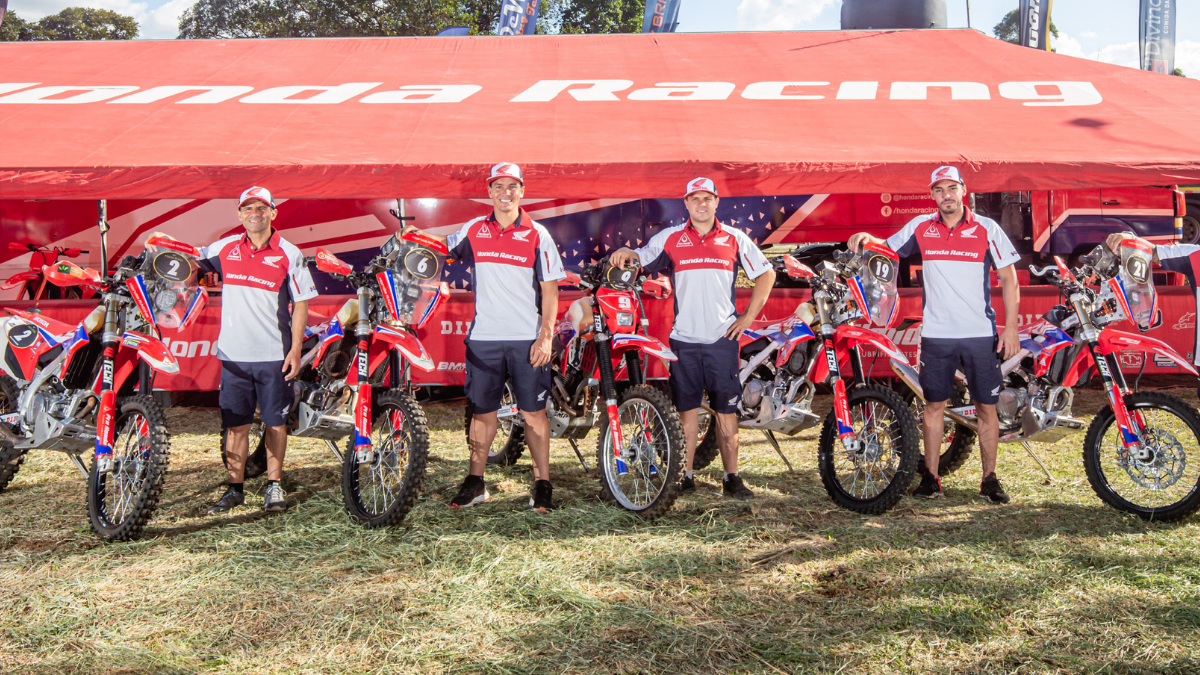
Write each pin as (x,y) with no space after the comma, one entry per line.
(585,116)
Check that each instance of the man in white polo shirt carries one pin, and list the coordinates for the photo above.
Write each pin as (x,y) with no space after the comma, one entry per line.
(259,344)
(517,268)
(958,252)
(702,258)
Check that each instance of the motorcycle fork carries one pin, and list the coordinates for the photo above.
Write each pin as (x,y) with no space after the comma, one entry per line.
(841,402)
(362,406)
(107,414)
(608,389)
(1131,424)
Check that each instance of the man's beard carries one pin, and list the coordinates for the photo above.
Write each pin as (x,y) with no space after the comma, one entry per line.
(949,207)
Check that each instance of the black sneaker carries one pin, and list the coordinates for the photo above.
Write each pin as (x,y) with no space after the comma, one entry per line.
(232,498)
(540,501)
(991,491)
(930,487)
(472,492)
(274,498)
(734,487)
(687,485)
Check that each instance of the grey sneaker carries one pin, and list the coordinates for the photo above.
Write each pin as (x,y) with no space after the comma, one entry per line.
(274,499)
(228,501)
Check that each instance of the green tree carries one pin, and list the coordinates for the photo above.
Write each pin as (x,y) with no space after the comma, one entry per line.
(73,23)
(1179,72)
(364,18)
(1009,30)
(14,29)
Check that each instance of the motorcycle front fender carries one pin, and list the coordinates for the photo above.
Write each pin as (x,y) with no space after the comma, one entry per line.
(408,345)
(643,343)
(848,337)
(1115,340)
(151,350)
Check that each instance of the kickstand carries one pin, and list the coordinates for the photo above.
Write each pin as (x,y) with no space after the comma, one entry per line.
(775,444)
(1049,478)
(78,462)
(334,449)
(579,455)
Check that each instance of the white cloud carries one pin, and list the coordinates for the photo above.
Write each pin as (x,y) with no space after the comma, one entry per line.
(780,14)
(1187,53)
(159,21)
(1065,44)
(1187,57)
(1089,34)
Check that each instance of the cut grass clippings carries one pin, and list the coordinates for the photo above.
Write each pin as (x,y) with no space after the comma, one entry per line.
(1055,582)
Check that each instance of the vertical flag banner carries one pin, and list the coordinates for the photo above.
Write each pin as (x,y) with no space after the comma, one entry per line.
(518,17)
(1034,23)
(455,31)
(662,16)
(1157,36)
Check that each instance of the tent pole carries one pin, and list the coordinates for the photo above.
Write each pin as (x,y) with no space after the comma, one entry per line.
(968,13)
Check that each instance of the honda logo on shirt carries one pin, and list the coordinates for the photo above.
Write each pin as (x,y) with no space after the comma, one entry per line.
(970,233)
(522,235)
(272,260)
(723,241)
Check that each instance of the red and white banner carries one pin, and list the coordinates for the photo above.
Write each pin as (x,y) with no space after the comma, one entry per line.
(444,334)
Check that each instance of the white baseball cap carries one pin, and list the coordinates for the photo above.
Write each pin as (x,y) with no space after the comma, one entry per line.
(700,185)
(260,193)
(945,173)
(506,170)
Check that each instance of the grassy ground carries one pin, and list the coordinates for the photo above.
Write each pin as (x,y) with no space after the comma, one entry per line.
(1054,582)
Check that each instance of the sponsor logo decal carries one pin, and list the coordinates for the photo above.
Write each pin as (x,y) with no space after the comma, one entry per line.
(235,253)
(969,233)
(484,232)
(685,240)
(1164,361)
(1186,322)
(722,241)
(932,231)
(522,235)
(272,260)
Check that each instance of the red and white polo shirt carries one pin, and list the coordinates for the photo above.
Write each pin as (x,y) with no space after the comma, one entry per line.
(703,271)
(957,267)
(258,285)
(509,265)
(1185,259)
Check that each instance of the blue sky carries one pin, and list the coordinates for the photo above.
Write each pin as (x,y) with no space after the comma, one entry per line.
(1099,29)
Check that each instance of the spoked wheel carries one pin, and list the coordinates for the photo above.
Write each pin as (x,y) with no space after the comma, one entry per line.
(256,462)
(121,503)
(10,457)
(872,477)
(643,476)
(381,487)
(957,440)
(510,432)
(1163,483)
(706,444)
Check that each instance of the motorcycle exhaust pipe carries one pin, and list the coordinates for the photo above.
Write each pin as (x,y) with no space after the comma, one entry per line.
(963,420)
(908,375)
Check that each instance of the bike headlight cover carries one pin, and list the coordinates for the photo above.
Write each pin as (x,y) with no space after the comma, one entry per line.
(624,319)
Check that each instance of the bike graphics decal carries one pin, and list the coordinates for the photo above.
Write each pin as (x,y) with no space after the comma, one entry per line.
(108,403)
(137,288)
(387,288)
(362,407)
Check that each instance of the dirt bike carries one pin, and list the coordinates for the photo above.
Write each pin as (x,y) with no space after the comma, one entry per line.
(33,282)
(1135,452)
(869,443)
(358,385)
(71,388)
(600,382)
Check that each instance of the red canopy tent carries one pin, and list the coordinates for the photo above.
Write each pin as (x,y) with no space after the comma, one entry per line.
(586,116)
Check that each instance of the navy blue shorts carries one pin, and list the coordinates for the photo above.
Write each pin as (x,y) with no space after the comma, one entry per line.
(491,362)
(940,357)
(706,368)
(246,385)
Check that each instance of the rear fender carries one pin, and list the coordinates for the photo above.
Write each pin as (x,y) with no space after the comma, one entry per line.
(404,342)
(1115,340)
(644,343)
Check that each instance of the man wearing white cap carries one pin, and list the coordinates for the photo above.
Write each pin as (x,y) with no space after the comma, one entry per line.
(701,257)
(958,252)
(517,268)
(259,344)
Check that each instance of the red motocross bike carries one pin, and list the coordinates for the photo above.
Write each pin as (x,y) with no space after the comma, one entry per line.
(354,378)
(71,387)
(33,282)
(599,363)
(1135,452)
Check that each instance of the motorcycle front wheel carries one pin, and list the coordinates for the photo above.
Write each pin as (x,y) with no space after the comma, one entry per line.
(1164,485)
(642,476)
(10,457)
(120,503)
(874,476)
(379,490)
